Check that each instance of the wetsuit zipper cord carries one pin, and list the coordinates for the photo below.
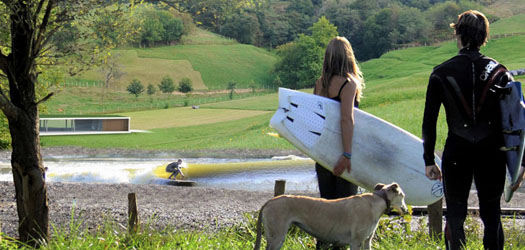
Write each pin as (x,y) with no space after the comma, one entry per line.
(473,93)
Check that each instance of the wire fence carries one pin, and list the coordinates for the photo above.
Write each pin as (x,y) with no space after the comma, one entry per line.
(437,43)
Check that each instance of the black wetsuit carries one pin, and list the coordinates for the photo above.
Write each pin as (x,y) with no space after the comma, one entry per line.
(471,150)
(330,185)
(174,169)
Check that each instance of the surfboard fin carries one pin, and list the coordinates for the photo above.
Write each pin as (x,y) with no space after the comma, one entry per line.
(274,135)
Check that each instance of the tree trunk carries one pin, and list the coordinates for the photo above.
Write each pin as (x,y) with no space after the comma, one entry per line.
(26,161)
(29,178)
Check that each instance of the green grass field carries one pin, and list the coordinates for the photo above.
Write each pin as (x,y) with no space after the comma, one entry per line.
(209,60)
(220,64)
(513,24)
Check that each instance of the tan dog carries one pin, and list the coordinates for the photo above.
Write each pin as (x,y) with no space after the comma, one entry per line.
(346,221)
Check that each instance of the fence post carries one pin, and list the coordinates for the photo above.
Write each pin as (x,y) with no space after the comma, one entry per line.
(435,219)
(133,216)
(279,188)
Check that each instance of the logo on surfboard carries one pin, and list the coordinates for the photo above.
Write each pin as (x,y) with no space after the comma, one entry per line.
(320,105)
(437,189)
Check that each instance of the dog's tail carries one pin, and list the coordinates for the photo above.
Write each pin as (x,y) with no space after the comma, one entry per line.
(259,231)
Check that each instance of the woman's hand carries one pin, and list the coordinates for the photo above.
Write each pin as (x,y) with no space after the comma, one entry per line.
(342,164)
(433,172)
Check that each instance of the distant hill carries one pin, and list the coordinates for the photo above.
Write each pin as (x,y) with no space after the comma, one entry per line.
(209,60)
(506,8)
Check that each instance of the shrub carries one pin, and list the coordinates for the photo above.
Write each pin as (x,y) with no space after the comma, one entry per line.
(167,85)
(185,85)
(135,88)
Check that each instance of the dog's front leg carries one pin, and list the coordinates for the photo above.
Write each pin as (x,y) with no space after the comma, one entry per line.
(368,242)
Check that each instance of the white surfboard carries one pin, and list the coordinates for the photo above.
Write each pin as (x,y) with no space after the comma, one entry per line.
(381,151)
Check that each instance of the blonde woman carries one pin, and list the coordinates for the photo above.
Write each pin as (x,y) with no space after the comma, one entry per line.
(342,81)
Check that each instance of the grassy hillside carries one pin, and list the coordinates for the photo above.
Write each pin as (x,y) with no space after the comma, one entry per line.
(210,60)
(148,70)
(506,8)
(220,64)
(508,25)
(395,91)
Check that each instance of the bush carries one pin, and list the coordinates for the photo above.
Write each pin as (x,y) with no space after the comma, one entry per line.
(185,85)
(151,89)
(135,88)
(167,85)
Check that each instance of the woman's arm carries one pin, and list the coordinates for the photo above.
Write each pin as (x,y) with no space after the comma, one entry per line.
(348,94)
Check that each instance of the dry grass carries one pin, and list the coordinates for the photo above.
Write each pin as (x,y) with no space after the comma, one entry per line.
(150,70)
(182,117)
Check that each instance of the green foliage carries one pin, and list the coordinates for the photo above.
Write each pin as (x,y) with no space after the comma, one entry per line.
(379,33)
(167,85)
(441,15)
(136,88)
(5,139)
(151,89)
(277,82)
(323,31)
(300,62)
(159,27)
(242,27)
(185,85)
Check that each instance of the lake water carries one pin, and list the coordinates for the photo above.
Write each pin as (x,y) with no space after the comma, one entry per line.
(241,174)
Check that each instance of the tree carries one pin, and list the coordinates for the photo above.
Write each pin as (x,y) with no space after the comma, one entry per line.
(242,27)
(231,87)
(111,69)
(167,85)
(25,52)
(173,27)
(300,62)
(152,28)
(323,31)
(185,85)
(277,82)
(136,88)
(150,90)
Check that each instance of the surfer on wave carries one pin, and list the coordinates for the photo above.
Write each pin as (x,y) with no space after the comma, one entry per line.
(342,81)
(174,169)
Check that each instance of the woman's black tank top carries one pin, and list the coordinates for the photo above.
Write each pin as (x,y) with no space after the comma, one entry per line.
(338,97)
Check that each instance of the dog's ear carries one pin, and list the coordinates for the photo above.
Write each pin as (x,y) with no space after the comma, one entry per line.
(379,186)
(394,187)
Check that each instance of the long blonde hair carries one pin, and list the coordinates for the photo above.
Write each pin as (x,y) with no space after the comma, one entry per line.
(339,60)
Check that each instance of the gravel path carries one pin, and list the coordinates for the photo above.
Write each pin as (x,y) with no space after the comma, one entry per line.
(189,208)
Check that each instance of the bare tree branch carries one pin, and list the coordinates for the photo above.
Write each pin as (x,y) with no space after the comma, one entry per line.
(42,29)
(38,9)
(45,98)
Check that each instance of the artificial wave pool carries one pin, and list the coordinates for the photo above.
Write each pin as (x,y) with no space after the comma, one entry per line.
(239,174)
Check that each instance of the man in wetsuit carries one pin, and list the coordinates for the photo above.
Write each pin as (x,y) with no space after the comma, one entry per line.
(174,169)
(462,84)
